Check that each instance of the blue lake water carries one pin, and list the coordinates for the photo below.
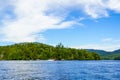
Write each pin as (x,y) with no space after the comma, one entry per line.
(60,70)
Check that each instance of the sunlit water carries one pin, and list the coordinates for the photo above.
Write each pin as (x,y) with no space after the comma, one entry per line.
(60,70)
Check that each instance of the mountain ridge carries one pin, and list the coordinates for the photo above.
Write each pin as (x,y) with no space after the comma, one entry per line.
(106,54)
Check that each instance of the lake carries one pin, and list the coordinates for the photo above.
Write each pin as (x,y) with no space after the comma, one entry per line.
(60,70)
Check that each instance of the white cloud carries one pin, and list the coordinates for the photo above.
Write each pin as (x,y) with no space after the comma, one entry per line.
(36,16)
(31,20)
(113,5)
(105,47)
(107,44)
(95,8)
(110,40)
(107,39)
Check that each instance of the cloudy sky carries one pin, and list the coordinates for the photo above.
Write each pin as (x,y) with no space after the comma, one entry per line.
(75,23)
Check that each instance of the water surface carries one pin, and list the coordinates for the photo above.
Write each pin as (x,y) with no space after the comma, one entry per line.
(60,70)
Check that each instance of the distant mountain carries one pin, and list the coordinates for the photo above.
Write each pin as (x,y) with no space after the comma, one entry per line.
(100,52)
(107,55)
(117,51)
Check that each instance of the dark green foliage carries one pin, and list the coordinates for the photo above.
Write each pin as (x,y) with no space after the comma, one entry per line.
(35,51)
(117,58)
(114,55)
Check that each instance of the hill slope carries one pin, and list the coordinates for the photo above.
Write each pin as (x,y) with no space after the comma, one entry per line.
(107,55)
(34,51)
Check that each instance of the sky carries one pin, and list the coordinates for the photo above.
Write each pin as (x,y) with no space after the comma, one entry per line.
(86,24)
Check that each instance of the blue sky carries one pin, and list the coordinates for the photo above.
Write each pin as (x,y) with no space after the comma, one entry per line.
(92,24)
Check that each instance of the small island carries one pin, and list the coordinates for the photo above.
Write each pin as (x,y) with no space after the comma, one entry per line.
(40,51)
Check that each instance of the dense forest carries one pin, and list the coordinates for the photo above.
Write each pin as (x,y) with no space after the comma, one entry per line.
(40,51)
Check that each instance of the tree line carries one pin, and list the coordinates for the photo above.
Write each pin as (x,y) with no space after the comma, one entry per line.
(40,51)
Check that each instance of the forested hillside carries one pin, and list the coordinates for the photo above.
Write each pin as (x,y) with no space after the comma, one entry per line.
(114,55)
(40,51)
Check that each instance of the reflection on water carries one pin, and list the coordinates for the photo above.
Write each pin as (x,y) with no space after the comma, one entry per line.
(60,70)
